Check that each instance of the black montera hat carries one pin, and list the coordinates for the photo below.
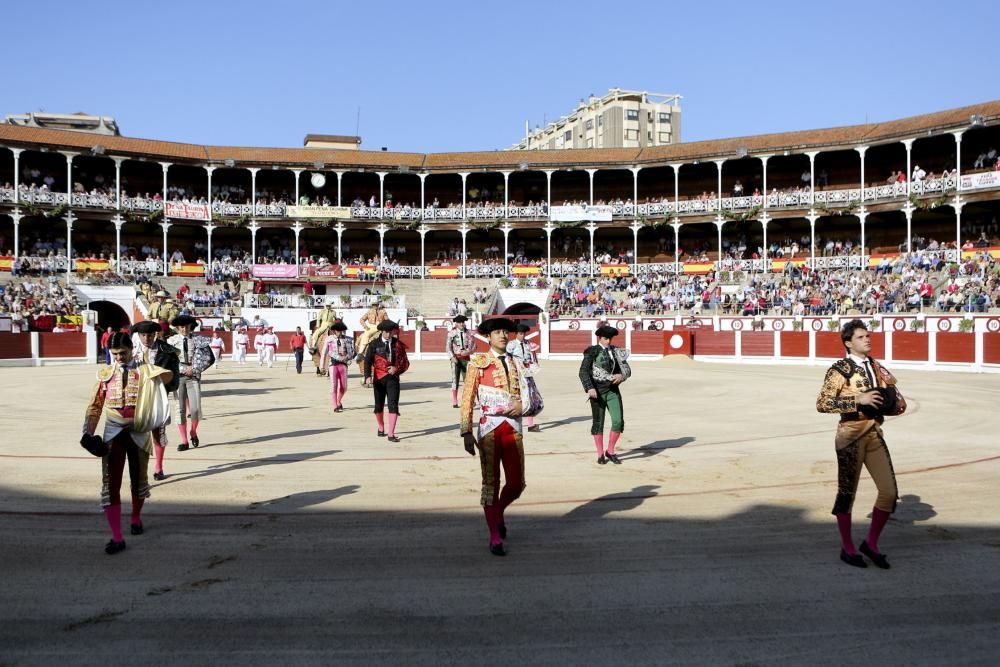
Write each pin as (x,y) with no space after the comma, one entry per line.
(146,327)
(606,332)
(494,323)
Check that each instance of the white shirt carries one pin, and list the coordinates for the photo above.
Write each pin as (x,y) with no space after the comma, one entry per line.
(242,339)
(489,423)
(866,366)
(258,341)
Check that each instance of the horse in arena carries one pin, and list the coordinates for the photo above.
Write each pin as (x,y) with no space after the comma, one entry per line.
(317,356)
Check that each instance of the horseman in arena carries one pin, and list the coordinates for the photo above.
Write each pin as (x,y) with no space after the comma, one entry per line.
(324,320)
(370,320)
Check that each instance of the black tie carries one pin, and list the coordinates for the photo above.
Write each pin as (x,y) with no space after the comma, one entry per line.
(869,374)
(506,370)
(186,359)
(124,378)
(461,339)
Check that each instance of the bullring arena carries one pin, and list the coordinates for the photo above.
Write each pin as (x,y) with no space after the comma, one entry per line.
(296,534)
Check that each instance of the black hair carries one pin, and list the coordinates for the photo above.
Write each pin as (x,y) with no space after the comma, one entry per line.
(847,331)
(120,340)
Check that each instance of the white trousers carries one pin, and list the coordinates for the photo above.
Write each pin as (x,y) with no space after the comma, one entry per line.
(240,355)
(269,356)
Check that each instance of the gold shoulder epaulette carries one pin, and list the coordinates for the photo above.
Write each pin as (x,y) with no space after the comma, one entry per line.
(104,373)
(480,360)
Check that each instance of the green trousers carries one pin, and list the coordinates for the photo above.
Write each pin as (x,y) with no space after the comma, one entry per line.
(612,402)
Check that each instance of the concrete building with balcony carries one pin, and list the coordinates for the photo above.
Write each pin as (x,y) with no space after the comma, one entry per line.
(620,119)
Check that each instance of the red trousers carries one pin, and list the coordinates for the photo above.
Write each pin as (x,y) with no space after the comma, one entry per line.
(502,447)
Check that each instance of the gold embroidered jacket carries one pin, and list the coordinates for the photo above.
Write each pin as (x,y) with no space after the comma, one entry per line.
(843,382)
(488,372)
(133,407)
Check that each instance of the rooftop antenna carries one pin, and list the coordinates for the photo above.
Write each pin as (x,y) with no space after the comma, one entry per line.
(357,123)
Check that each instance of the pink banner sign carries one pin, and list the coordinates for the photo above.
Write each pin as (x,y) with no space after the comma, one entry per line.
(275,271)
(179,209)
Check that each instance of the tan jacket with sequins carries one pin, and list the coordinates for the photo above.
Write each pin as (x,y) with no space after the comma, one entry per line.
(843,382)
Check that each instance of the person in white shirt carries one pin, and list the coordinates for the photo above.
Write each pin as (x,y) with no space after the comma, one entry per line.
(918,174)
(270,341)
(258,345)
(218,347)
(240,343)
(527,353)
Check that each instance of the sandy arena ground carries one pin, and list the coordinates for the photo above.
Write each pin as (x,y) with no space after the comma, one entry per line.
(294,535)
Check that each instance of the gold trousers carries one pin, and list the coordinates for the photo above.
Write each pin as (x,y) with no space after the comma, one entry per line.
(871,452)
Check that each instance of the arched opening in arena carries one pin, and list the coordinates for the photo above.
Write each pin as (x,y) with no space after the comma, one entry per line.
(110,315)
(524,313)
(522,308)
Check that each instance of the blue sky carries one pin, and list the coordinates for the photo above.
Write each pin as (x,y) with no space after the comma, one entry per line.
(454,76)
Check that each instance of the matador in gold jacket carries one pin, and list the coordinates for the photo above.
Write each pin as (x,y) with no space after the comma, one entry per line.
(130,396)
(862,392)
(493,381)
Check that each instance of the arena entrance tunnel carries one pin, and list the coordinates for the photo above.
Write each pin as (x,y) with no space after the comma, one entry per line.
(110,315)
(523,313)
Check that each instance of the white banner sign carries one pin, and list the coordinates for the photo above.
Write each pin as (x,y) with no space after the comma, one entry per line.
(986,179)
(577,213)
(319,212)
(179,209)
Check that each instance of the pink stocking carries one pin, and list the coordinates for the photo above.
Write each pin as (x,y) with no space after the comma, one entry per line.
(137,504)
(492,522)
(612,441)
(381,421)
(599,443)
(393,418)
(158,451)
(454,396)
(529,421)
(194,428)
(113,513)
(844,526)
(184,433)
(879,519)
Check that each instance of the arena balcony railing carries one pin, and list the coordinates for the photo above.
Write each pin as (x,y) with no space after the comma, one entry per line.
(251,300)
(799,198)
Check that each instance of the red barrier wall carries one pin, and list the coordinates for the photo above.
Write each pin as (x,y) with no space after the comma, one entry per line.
(16,346)
(991,348)
(51,345)
(686,348)
(569,342)
(433,341)
(714,342)
(409,338)
(828,345)
(956,347)
(647,342)
(757,344)
(795,343)
(909,346)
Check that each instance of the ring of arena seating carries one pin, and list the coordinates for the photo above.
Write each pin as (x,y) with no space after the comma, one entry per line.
(893,217)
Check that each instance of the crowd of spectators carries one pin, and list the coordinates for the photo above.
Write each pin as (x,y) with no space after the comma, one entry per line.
(39,304)
(909,283)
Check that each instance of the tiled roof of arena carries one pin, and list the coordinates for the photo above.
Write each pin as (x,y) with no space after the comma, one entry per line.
(762,144)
